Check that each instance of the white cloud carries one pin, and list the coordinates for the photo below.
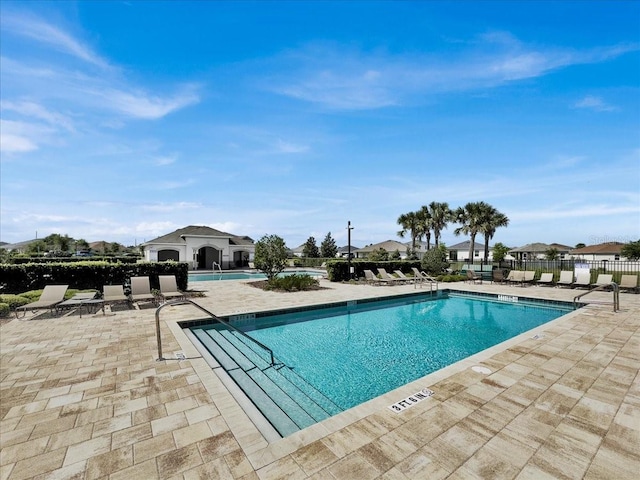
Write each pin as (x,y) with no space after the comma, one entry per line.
(288,147)
(37,111)
(52,37)
(594,103)
(22,136)
(15,143)
(342,78)
(139,104)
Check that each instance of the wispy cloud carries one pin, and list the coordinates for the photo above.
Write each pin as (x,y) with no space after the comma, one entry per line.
(594,103)
(343,78)
(288,147)
(34,87)
(38,112)
(140,104)
(51,36)
(20,137)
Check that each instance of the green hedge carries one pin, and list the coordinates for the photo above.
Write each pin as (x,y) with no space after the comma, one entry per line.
(21,260)
(338,270)
(87,274)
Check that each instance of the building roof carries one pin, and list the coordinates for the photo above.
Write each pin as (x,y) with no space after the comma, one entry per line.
(540,248)
(199,231)
(388,245)
(601,248)
(464,246)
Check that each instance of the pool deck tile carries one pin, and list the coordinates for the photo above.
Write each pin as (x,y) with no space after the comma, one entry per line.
(86,398)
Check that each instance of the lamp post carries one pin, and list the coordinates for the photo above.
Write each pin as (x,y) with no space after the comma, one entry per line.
(349,228)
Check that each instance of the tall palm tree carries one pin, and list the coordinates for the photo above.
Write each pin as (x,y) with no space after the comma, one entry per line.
(492,221)
(471,218)
(426,220)
(441,215)
(410,222)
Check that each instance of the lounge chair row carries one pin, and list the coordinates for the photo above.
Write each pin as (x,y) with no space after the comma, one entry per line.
(567,279)
(52,297)
(385,278)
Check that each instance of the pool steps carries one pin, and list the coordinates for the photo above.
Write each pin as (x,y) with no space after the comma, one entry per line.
(285,399)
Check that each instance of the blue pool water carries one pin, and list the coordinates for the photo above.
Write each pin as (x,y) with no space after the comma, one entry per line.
(354,353)
(207,277)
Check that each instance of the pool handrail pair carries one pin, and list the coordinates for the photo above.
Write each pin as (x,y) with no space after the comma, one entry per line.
(186,301)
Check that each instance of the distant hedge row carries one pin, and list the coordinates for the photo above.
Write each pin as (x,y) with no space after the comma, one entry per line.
(20,260)
(86,275)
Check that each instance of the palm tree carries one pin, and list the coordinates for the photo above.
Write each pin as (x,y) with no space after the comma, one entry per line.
(471,218)
(492,221)
(426,221)
(410,222)
(441,215)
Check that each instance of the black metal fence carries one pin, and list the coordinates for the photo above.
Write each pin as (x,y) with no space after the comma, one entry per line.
(614,267)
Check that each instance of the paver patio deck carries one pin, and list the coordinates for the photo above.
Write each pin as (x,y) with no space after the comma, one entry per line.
(86,398)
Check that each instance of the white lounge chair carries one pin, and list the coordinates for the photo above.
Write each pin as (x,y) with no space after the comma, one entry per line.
(566,279)
(629,283)
(389,278)
(402,276)
(602,280)
(515,276)
(51,296)
(545,279)
(169,287)
(114,294)
(141,290)
(583,279)
(528,277)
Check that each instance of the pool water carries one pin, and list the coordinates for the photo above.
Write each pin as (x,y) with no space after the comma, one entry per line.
(207,277)
(356,356)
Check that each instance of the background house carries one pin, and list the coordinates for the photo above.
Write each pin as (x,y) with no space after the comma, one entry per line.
(460,251)
(610,251)
(202,247)
(389,245)
(538,251)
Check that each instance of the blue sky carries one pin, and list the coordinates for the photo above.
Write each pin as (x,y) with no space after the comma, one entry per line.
(123,121)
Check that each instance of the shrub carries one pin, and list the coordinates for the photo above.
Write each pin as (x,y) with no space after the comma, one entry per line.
(270,255)
(293,283)
(434,261)
(14,301)
(5,310)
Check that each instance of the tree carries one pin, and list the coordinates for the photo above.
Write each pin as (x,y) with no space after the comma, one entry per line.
(310,248)
(500,251)
(470,217)
(426,222)
(328,247)
(493,219)
(551,253)
(411,223)
(631,250)
(434,261)
(395,255)
(270,256)
(441,215)
(580,245)
(380,255)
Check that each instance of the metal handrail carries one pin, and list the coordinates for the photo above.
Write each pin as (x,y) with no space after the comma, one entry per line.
(424,277)
(616,295)
(186,301)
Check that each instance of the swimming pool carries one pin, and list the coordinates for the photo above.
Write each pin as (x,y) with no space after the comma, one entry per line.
(207,277)
(332,358)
